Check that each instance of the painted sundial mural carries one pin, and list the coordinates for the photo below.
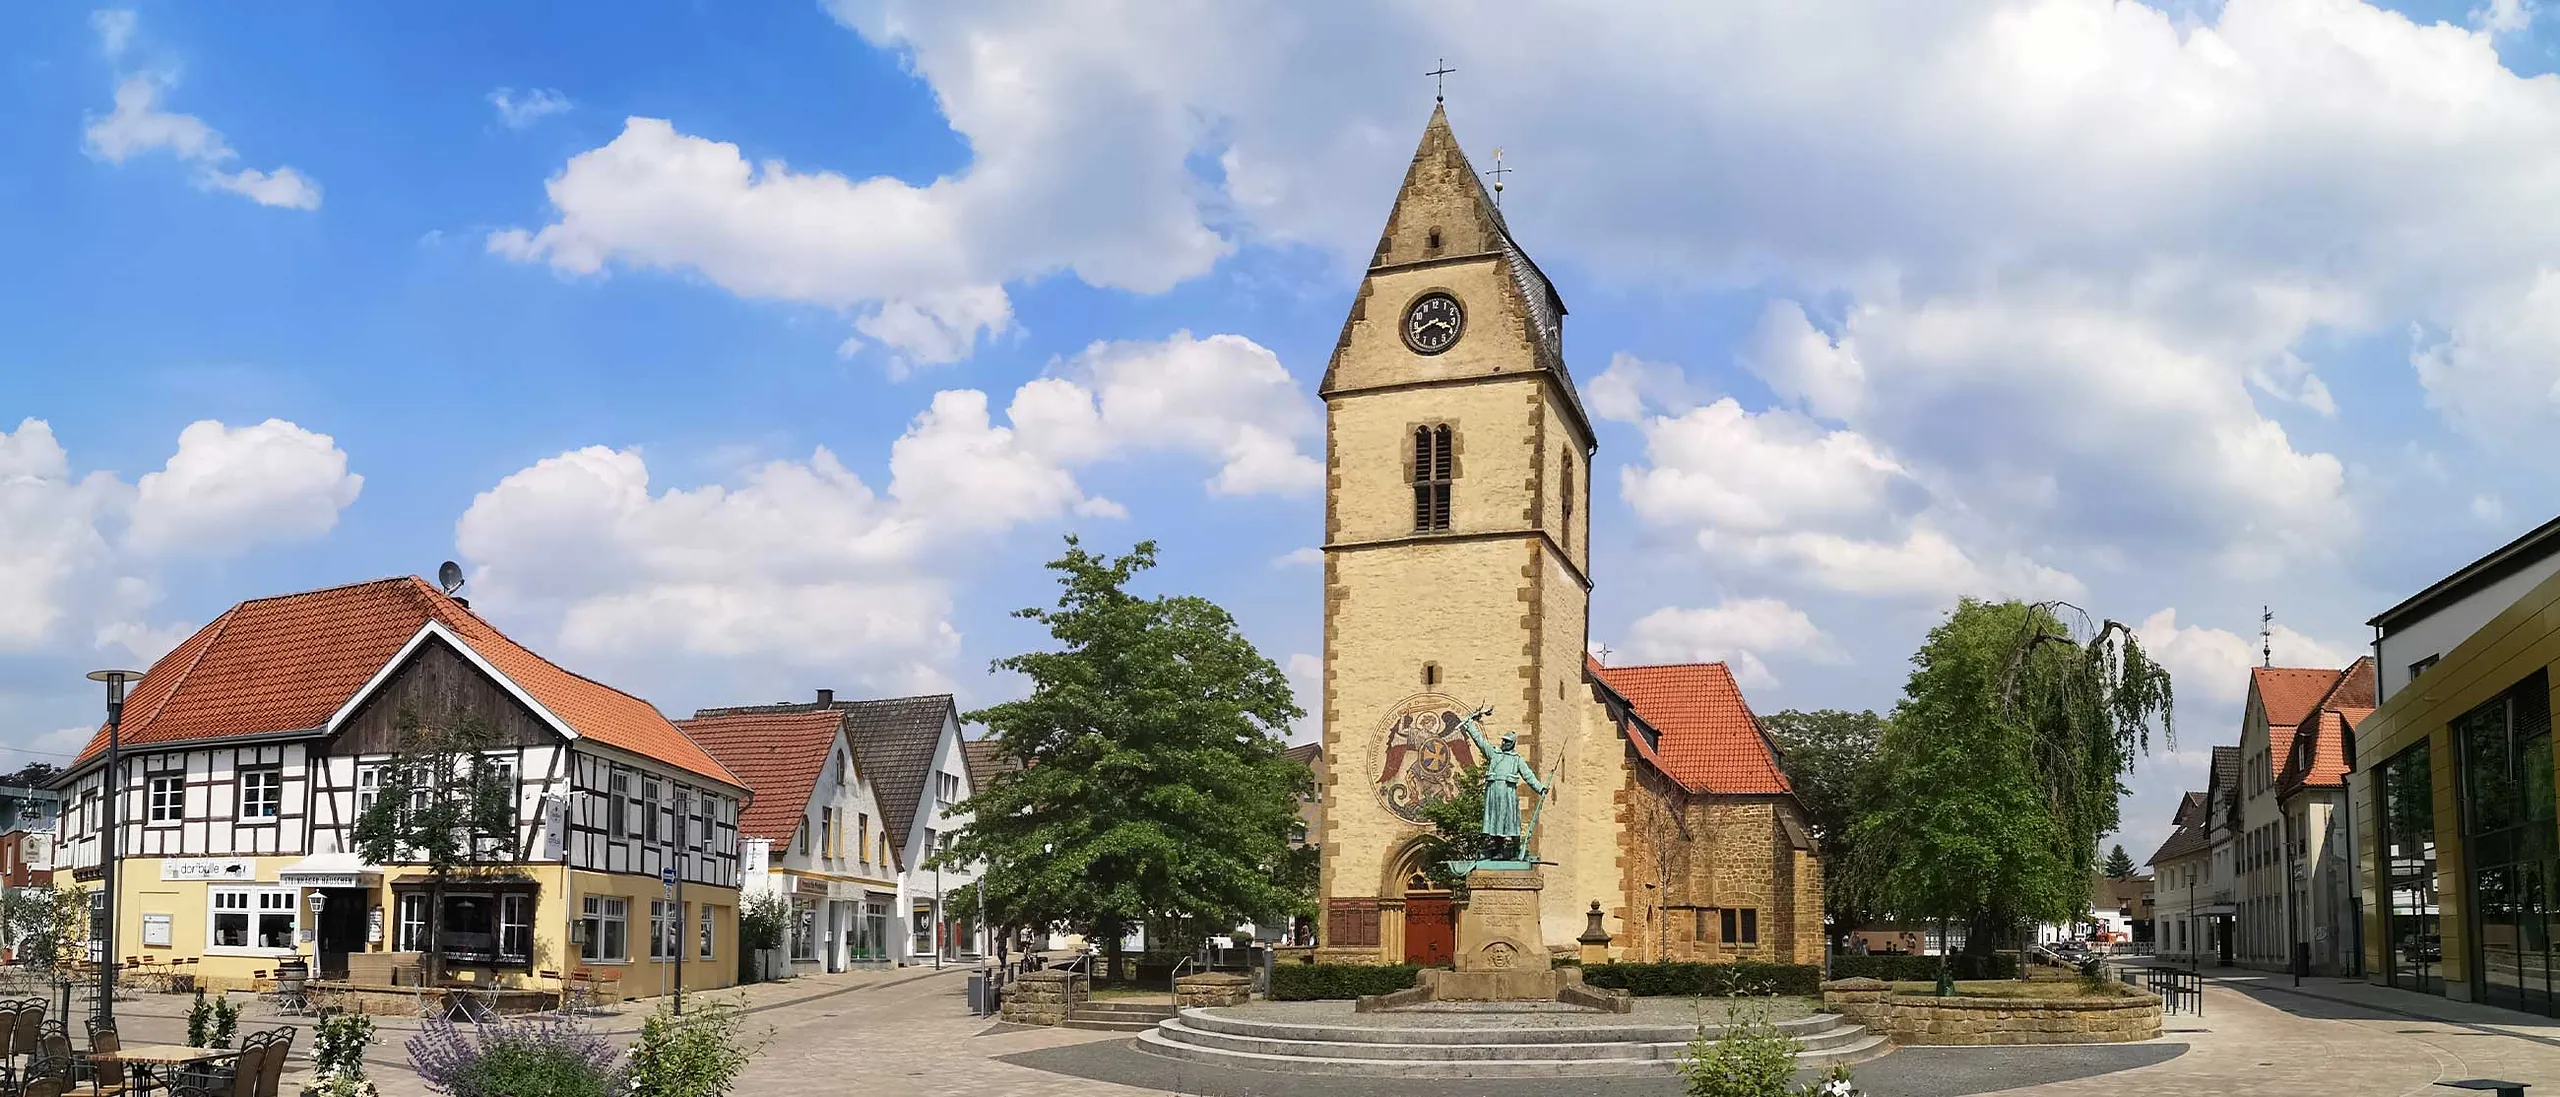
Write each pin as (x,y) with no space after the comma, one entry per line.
(1422,754)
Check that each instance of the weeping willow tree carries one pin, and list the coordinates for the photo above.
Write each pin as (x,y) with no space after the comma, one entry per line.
(2001,767)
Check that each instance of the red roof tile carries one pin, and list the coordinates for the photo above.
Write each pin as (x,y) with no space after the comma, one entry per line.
(1710,741)
(289,663)
(779,754)
(2290,693)
(2315,754)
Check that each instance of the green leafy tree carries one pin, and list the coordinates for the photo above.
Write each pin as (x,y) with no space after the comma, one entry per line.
(1830,758)
(2119,863)
(1154,789)
(2004,759)
(442,801)
(1457,832)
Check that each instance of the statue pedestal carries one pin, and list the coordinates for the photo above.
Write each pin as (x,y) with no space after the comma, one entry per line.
(1502,951)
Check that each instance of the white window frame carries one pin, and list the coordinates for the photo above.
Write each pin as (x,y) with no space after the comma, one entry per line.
(274,788)
(708,926)
(256,905)
(368,785)
(652,796)
(169,811)
(666,928)
(515,916)
(598,911)
(409,929)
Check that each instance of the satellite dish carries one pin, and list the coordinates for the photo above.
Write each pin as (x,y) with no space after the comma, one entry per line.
(449,576)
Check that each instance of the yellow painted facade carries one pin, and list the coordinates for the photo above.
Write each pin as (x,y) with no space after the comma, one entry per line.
(160,920)
(2519,641)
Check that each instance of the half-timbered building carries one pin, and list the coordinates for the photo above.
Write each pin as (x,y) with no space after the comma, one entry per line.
(247,754)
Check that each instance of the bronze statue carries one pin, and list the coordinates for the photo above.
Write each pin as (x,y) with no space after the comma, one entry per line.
(1504,771)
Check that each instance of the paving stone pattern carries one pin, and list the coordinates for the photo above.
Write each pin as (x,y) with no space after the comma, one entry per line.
(2255,1038)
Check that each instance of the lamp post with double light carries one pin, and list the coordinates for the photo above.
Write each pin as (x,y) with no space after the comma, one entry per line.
(111,829)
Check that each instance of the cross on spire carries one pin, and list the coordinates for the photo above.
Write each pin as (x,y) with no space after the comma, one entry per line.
(1497,173)
(2266,636)
(1440,80)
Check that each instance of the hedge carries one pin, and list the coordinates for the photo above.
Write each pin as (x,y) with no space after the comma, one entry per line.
(1922,969)
(1308,982)
(1714,980)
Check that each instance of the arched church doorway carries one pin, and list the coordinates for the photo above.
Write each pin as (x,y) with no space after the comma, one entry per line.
(1430,924)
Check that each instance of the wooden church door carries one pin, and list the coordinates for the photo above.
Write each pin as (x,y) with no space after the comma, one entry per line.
(1430,930)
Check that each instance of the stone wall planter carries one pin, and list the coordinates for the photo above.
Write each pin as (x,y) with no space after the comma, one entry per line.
(1921,1020)
(1212,989)
(1045,997)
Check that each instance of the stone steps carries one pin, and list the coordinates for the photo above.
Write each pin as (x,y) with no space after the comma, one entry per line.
(1467,1052)
(1117,1016)
(1802,1028)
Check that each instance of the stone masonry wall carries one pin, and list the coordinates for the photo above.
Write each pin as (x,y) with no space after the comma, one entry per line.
(1915,1020)
(1212,989)
(1735,856)
(1044,997)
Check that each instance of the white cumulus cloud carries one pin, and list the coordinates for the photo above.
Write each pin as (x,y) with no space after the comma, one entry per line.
(139,124)
(802,564)
(517,110)
(1741,632)
(80,554)
(230,487)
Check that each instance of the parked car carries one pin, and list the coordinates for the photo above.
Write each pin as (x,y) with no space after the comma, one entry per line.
(2425,949)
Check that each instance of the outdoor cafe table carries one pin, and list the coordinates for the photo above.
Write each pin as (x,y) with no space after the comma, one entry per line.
(140,1056)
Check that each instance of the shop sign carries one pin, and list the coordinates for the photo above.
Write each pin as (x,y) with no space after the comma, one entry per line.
(209,868)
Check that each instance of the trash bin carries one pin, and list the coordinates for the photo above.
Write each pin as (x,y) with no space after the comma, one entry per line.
(978,1003)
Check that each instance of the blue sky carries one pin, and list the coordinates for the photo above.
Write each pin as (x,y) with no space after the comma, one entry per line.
(2172,312)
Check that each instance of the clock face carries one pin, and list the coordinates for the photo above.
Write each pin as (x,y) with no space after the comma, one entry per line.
(1433,323)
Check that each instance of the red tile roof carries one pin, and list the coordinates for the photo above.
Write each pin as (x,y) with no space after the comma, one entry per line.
(1710,741)
(289,663)
(2290,693)
(779,754)
(2314,754)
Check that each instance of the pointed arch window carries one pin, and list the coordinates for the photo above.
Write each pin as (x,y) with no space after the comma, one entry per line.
(1435,468)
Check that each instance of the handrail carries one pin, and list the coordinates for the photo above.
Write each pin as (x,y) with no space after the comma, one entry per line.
(1172,983)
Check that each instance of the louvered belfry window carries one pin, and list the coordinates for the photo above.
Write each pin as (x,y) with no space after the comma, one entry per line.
(1434,467)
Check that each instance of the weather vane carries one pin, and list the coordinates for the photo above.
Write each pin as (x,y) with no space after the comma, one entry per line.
(1440,81)
(1497,173)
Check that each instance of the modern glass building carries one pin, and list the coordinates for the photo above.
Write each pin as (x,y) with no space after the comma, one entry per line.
(2456,814)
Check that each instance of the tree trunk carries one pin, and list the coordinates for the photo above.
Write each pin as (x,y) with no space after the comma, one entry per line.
(434,967)
(1111,930)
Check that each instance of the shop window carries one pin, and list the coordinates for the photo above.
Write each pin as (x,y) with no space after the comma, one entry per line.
(608,919)
(515,928)
(253,918)
(411,935)
(666,921)
(707,924)
(804,935)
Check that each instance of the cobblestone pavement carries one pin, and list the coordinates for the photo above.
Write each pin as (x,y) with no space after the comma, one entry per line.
(916,1039)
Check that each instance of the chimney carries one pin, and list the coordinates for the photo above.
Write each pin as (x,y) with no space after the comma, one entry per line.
(826,697)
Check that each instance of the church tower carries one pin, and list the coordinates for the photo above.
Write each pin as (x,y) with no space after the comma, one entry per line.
(1456,569)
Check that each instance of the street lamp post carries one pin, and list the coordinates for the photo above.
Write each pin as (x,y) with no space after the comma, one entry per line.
(107,835)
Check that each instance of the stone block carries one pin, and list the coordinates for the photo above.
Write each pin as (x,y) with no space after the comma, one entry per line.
(1208,989)
(1045,997)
